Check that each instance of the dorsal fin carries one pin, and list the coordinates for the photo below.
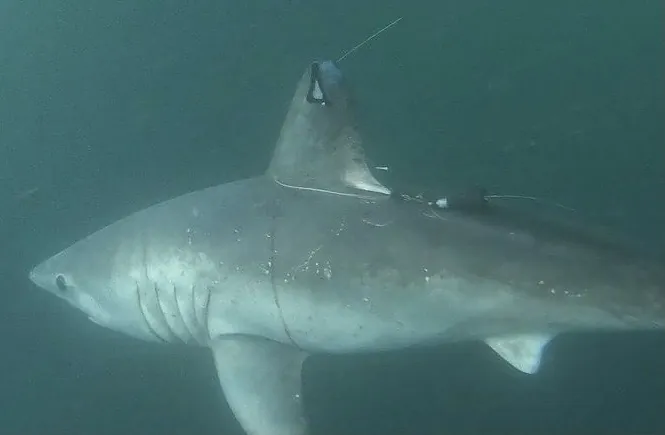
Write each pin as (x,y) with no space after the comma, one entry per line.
(319,146)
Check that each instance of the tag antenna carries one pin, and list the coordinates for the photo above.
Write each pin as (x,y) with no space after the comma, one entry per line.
(374,35)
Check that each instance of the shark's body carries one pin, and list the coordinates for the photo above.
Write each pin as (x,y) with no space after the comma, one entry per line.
(316,256)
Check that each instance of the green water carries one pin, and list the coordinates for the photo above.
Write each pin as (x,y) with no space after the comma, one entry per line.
(110,106)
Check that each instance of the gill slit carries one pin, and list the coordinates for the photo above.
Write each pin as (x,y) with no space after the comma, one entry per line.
(138,294)
(182,318)
(202,320)
(206,313)
(271,269)
(145,318)
(172,333)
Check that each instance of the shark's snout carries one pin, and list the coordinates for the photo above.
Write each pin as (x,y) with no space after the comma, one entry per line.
(37,277)
(44,277)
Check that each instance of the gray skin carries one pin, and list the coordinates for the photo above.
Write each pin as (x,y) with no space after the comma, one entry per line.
(316,256)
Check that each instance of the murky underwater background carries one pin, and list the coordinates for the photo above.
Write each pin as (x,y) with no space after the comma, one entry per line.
(107,107)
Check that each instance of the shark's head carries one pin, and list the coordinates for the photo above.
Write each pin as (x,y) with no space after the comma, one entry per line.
(85,276)
(109,275)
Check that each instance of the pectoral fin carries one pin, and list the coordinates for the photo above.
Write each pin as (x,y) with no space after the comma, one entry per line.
(261,382)
(524,352)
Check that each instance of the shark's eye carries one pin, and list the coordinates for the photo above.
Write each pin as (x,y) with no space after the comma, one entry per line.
(61,283)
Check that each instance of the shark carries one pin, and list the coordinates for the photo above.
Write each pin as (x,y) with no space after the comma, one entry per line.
(316,256)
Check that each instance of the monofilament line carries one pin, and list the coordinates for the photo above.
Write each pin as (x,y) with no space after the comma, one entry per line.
(374,35)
